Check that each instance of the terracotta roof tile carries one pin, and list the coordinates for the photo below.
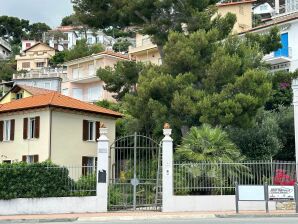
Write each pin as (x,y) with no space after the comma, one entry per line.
(55,99)
(235,3)
(35,90)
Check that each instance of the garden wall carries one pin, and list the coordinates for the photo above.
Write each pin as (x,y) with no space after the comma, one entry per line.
(211,203)
(60,205)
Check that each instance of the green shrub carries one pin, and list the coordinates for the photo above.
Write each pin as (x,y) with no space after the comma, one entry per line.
(21,180)
(86,185)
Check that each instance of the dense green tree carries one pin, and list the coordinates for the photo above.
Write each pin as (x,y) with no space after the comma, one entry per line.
(153,17)
(121,45)
(70,20)
(122,78)
(7,69)
(82,49)
(14,28)
(207,82)
(282,93)
(262,140)
(36,31)
(58,58)
(285,120)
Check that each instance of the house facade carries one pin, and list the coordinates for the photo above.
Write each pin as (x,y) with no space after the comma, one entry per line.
(285,58)
(69,35)
(5,49)
(18,92)
(35,57)
(144,51)
(242,10)
(82,82)
(52,127)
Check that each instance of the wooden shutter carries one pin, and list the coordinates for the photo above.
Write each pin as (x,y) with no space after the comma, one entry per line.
(1,130)
(85,130)
(25,128)
(35,158)
(12,127)
(97,126)
(37,127)
(24,158)
(84,165)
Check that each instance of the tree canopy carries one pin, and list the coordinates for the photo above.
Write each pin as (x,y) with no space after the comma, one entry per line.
(16,29)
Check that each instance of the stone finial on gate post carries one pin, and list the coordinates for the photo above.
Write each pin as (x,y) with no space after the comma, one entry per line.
(167,169)
(102,169)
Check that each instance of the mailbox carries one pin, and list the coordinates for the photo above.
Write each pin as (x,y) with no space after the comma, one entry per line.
(102,176)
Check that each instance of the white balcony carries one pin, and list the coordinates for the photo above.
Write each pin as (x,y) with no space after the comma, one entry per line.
(43,73)
(280,56)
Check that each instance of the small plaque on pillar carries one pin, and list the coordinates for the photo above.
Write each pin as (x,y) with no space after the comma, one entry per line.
(102,176)
(102,150)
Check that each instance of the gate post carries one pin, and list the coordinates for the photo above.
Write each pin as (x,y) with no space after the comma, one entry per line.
(102,169)
(167,169)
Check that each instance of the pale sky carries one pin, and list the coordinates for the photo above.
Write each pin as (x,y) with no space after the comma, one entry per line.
(50,12)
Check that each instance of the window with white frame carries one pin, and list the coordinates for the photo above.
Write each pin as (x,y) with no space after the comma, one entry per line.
(91,69)
(7,130)
(94,93)
(75,73)
(91,131)
(77,93)
(31,129)
(47,85)
(19,95)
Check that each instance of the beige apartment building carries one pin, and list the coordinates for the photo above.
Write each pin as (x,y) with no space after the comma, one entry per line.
(52,127)
(145,51)
(242,10)
(35,57)
(82,82)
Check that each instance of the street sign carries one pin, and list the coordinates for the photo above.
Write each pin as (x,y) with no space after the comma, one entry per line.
(281,192)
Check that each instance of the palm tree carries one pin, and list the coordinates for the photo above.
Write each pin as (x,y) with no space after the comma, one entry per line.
(207,162)
(208,144)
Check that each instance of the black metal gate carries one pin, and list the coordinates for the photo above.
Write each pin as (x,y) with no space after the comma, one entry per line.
(135,179)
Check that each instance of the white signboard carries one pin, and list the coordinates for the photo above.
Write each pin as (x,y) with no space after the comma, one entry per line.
(281,192)
(251,193)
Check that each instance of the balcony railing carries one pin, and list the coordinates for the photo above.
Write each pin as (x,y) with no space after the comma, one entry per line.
(43,73)
(280,56)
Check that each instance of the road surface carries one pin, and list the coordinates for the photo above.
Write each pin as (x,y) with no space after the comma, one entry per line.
(274,220)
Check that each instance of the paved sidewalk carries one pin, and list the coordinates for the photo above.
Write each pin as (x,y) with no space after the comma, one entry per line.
(121,216)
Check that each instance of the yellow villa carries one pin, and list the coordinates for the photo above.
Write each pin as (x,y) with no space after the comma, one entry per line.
(53,127)
(35,57)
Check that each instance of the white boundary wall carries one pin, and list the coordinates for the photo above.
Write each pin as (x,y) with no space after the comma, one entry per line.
(24,206)
(172,203)
(61,205)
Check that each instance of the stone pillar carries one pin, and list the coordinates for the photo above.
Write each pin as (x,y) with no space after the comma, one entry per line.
(167,169)
(103,169)
(295,104)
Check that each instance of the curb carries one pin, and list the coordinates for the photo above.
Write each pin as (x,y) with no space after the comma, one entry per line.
(256,215)
(135,218)
(38,220)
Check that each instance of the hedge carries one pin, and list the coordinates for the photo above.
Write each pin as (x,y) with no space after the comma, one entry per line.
(38,180)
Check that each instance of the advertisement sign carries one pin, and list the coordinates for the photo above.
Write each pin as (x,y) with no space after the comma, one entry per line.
(281,192)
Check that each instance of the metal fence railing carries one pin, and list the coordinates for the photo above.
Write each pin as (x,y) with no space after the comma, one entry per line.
(41,180)
(205,178)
